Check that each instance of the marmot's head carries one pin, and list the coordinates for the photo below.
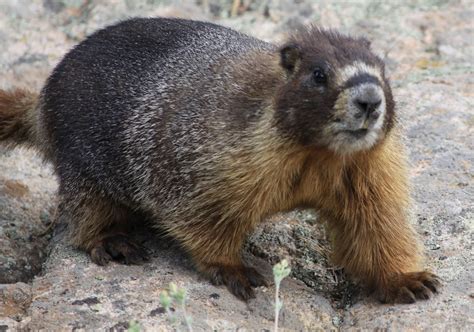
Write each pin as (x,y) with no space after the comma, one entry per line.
(336,94)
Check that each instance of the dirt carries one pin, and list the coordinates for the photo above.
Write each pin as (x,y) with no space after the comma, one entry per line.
(428,48)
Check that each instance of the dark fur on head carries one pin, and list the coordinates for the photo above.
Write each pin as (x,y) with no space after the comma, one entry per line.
(306,104)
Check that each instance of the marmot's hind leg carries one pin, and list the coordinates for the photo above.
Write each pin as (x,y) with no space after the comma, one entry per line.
(100,227)
(118,246)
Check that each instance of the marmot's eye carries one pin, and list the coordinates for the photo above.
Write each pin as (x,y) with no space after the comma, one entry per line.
(319,76)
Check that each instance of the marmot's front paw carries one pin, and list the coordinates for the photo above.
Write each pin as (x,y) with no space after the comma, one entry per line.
(238,279)
(408,287)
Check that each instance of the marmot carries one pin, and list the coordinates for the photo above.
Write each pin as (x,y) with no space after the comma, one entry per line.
(210,131)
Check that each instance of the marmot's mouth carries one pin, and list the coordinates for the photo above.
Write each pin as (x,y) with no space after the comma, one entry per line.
(359,133)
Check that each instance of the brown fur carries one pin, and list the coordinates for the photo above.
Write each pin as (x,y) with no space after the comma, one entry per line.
(364,197)
(17,117)
(101,227)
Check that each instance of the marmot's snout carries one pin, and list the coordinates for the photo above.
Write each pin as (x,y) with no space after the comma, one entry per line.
(360,110)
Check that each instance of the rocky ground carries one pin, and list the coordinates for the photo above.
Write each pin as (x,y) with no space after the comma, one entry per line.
(428,47)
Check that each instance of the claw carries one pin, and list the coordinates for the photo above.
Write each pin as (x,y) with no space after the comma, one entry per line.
(118,247)
(408,287)
(238,279)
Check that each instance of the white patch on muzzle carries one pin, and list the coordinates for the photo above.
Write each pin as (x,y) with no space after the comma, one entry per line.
(342,133)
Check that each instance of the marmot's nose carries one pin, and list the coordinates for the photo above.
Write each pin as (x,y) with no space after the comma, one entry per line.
(368,104)
(367,100)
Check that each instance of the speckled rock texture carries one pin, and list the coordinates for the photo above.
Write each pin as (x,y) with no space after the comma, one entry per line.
(428,46)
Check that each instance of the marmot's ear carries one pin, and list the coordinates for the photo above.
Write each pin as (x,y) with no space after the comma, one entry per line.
(290,56)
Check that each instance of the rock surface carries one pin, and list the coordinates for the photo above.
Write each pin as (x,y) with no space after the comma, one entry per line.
(428,47)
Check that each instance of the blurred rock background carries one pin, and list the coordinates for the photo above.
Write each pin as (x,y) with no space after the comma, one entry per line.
(428,46)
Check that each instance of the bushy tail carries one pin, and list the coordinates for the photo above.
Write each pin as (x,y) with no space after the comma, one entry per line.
(18,118)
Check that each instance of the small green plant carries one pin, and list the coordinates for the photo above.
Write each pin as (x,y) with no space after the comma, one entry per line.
(133,326)
(280,272)
(176,296)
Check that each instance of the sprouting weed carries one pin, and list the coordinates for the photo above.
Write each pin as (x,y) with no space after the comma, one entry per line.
(280,272)
(177,296)
(165,301)
(133,326)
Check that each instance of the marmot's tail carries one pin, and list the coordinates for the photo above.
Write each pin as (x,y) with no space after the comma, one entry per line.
(18,118)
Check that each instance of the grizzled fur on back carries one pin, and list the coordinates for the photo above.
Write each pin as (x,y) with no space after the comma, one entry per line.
(208,131)
(162,79)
